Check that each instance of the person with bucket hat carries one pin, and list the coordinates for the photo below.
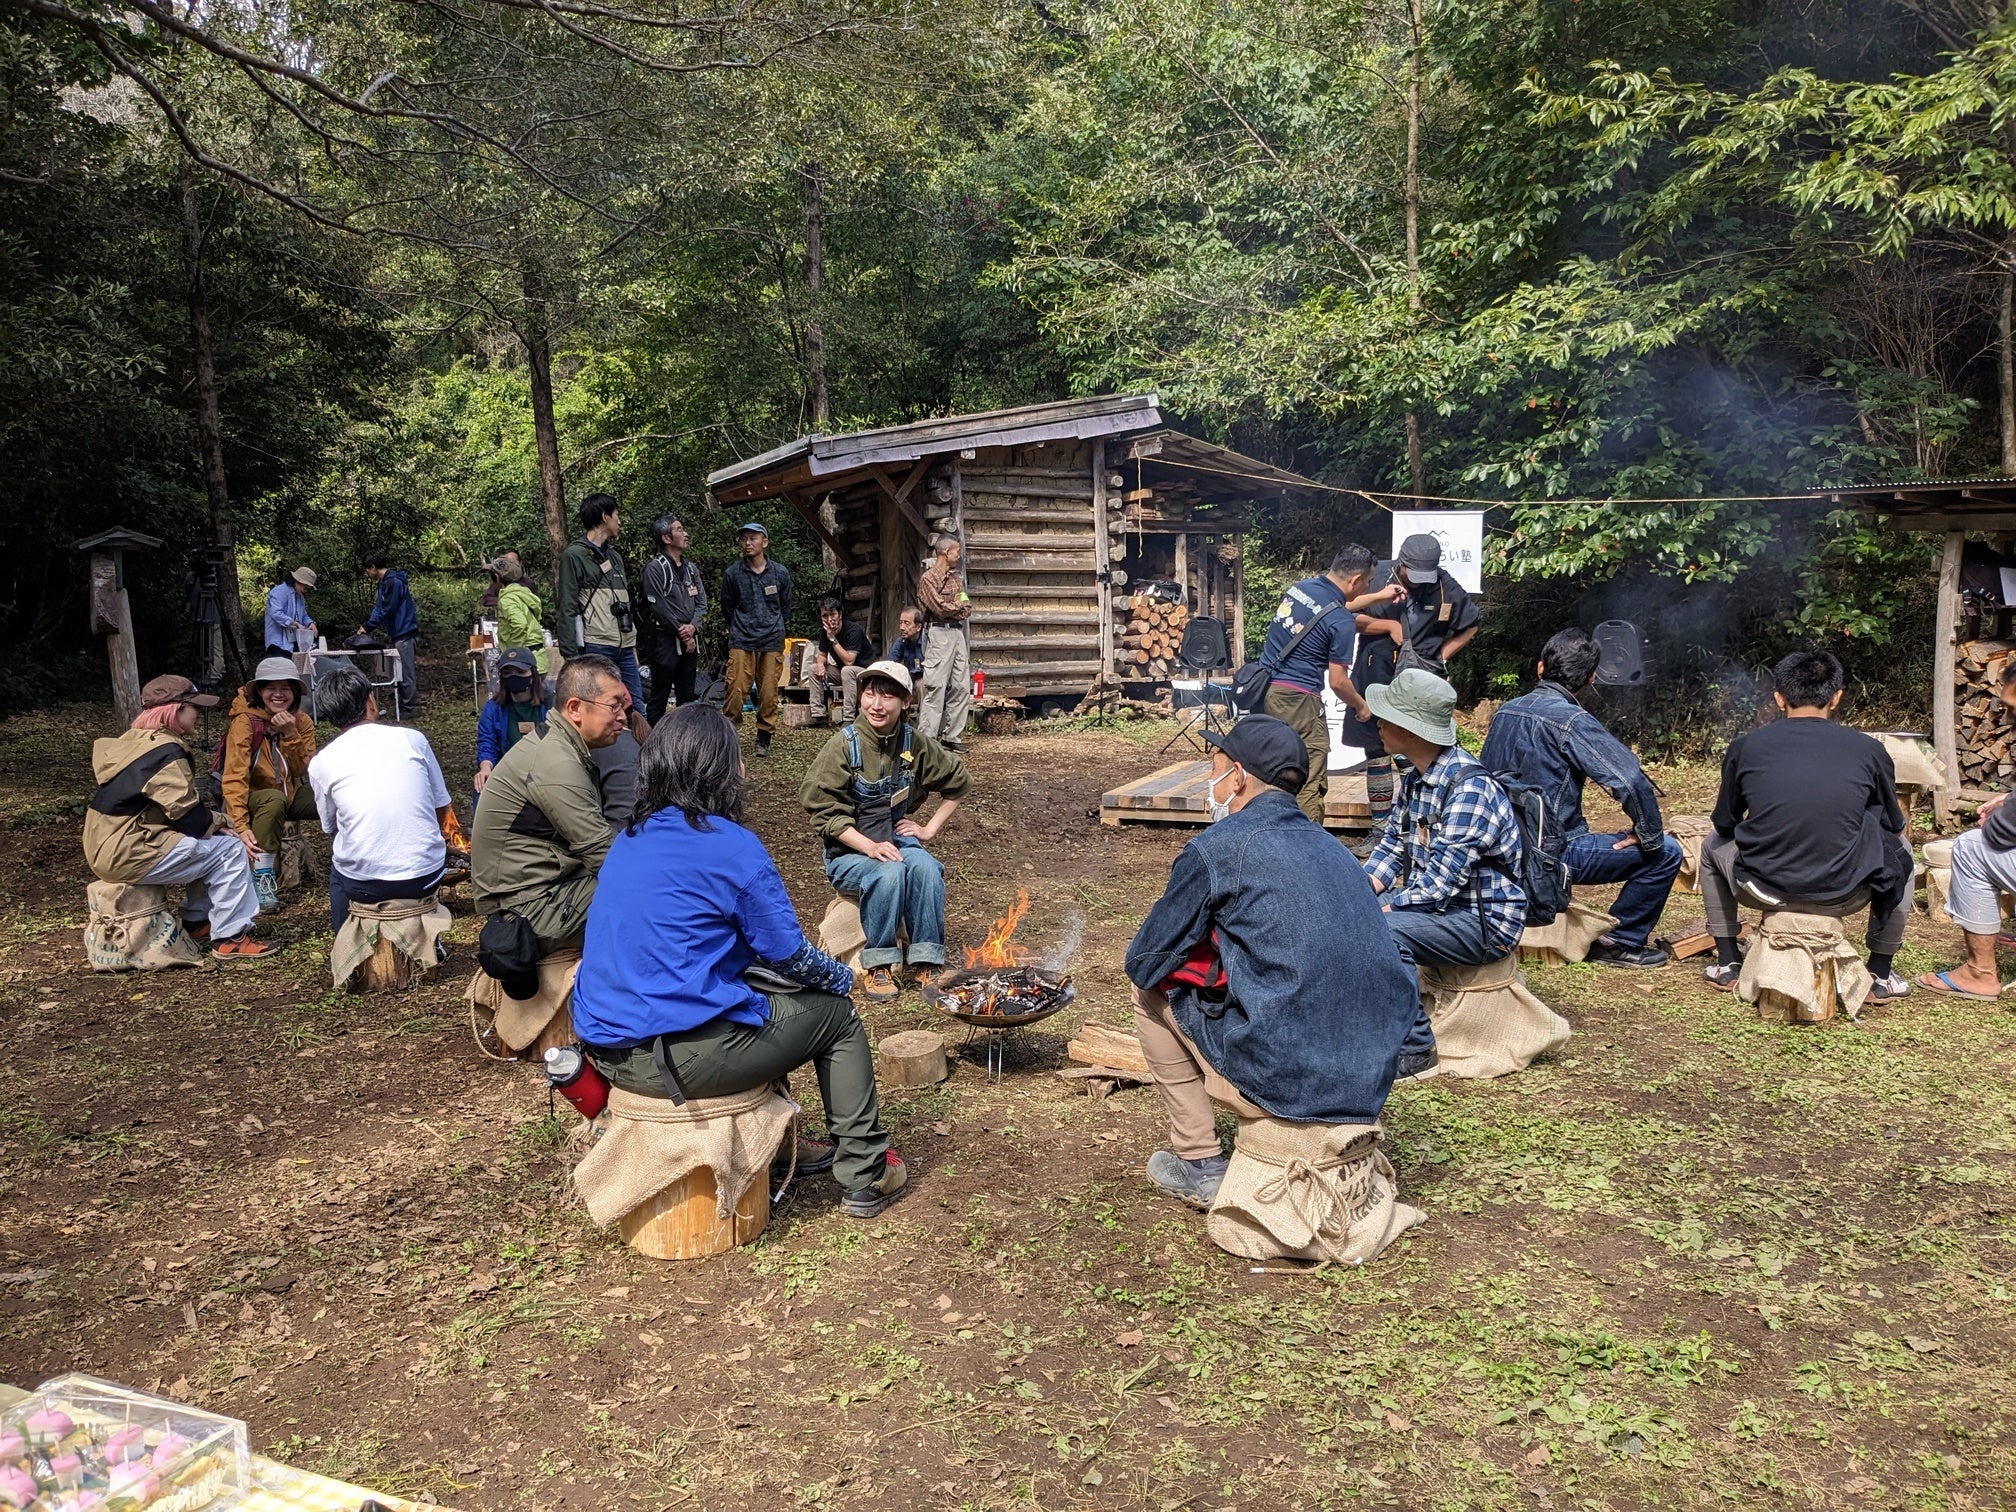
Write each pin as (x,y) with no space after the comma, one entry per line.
(1433,620)
(756,601)
(263,763)
(1263,976)
(289,627)
(1447,866)
(862,790)
(148,823)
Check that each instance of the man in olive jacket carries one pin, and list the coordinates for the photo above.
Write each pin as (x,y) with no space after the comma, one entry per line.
(861,791)
(539,836)
(593,617)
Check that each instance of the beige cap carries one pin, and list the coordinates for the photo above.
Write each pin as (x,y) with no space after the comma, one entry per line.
(894,672)
(305,576)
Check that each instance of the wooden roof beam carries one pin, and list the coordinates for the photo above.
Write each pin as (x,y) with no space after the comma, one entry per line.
(811,517)
(900,496)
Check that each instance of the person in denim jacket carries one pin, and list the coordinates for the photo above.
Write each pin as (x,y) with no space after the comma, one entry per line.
(1551,741)
(1263,976)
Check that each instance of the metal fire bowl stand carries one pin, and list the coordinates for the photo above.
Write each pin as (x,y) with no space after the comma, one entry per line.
(994,1027)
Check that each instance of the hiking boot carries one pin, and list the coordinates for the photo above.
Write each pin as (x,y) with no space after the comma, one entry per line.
(1192,1181)
(924,978)
(1887,989)
(1640,957)
(243,948)
(1417,1067)
(763,745)
(871,1199)
(1723,978)
(877,984)
(813,1157)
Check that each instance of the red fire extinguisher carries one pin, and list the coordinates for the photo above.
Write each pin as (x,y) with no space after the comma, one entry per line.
(979,682)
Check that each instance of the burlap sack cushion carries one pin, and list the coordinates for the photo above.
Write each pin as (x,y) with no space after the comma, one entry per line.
(1690,830)
(652,1142)
(519,1024)
(1568,938)
(1786,955)
(1307,1192)
(1916,767)
(413,925)
(1487,1021)
(133,927)
(841,935)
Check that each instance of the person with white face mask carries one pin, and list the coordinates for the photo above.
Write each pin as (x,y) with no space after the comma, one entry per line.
(1264,978)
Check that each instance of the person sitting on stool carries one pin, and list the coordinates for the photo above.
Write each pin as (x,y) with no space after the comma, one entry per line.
(1262,976)
(860,791)
(1551,741)
(1448,862)
(844,651)
(1807,821)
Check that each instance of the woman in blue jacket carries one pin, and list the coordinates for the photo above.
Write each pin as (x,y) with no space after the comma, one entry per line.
(696,978)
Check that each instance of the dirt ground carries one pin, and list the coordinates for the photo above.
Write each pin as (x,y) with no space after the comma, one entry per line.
(1691,1260)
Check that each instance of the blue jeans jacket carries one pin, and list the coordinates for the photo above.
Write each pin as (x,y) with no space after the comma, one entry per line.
(1557,745)
(1318,1001)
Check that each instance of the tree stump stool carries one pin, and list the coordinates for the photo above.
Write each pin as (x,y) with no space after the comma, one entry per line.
(841,935)
(1801,969)
(912,1058)
(682,1222)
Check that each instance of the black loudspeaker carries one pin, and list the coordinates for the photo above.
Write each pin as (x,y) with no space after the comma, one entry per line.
(1625,663)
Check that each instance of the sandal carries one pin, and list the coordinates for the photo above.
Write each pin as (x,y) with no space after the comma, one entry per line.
(1942,983)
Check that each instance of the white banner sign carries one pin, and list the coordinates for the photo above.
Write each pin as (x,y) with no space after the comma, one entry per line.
(1461,532)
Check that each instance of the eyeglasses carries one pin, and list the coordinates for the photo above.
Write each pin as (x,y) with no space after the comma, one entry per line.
(613,705)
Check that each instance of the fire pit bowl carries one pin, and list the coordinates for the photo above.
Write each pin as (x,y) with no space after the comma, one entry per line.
(1001,997)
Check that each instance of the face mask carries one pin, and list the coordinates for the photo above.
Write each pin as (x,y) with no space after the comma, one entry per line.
(1218,810)
(517,689)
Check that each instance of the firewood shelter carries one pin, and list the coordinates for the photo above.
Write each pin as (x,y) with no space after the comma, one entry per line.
(1975,635)
(1062,509)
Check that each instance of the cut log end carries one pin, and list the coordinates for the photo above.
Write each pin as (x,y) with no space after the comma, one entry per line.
(912,1058)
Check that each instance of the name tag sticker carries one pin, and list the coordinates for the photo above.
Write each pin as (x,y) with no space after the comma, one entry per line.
(1444,615)
(526,727)
(771,589)
(607,566)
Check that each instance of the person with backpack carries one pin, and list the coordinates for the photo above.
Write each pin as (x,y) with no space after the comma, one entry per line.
(1449,866)
(1550,741)
(594,617)
(1310,646)
(861,791)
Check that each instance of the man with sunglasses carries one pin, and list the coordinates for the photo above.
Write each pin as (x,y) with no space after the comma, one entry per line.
(540,834)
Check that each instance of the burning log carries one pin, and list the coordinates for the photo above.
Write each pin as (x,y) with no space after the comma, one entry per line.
(998,988)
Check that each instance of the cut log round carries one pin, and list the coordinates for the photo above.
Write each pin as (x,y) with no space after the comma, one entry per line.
(912,1058)
(388,970)
(680,1222)
(1104,1045)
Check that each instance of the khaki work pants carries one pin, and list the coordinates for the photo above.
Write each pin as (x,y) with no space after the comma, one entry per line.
(762,668)
(948,683)
(1188,1083)
(1303,713)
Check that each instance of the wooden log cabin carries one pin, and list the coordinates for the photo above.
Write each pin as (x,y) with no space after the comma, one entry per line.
(1062,510)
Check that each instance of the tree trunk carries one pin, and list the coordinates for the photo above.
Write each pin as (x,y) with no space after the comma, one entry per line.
(210,429)
(535,336)
(1416,469)
(2005,369)
(815,283)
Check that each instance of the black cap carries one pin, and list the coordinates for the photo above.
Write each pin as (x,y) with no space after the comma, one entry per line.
(1420,557)
(517,659)
(1268,748)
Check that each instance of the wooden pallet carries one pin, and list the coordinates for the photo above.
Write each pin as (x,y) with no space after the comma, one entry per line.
(1176,795)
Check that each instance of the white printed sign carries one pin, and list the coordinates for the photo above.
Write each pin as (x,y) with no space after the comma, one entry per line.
(1461,532)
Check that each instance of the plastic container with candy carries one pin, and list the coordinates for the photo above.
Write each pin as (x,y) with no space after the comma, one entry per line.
(79,1444)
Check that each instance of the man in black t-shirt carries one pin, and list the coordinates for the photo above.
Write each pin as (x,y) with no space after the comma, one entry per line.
(843,652)
(1436,619)
(1808,821)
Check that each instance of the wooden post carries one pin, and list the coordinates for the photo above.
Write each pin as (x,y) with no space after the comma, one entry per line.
(1102,559)
(112,612)
(1183,566)
(1944,730)
(1239,602)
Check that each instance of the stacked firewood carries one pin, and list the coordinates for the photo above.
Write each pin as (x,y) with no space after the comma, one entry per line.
(1149,638)
(1986,732)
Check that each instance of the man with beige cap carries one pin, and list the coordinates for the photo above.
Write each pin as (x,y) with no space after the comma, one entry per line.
(288,626)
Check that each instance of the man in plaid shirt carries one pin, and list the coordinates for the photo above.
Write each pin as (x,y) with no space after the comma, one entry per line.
(1447,867)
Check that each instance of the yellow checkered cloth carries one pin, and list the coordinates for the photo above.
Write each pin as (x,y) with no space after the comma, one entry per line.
(282,1488)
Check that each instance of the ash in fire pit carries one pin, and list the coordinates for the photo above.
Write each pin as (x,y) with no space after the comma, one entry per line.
(998,988)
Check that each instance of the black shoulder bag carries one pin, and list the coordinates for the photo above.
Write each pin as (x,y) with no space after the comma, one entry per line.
(1251,682)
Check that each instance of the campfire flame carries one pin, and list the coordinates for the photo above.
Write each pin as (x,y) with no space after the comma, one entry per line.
(998,950)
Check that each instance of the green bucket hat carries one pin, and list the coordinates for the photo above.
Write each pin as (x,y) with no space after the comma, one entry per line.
(1418,701)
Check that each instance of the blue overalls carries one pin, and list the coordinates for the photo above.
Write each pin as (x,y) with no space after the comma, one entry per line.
(906,895)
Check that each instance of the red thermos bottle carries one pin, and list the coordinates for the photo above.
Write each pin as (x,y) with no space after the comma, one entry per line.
(574,1077)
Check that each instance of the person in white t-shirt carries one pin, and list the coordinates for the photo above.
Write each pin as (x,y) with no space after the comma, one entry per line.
(381,798)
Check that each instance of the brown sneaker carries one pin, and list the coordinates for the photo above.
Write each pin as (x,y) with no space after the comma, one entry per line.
(877,984)
(871,1199)
(243,948)
(924,978)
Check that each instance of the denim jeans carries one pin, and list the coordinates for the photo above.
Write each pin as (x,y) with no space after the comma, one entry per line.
(1426,938)
(893,893)
(626,667)
(1594,860)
